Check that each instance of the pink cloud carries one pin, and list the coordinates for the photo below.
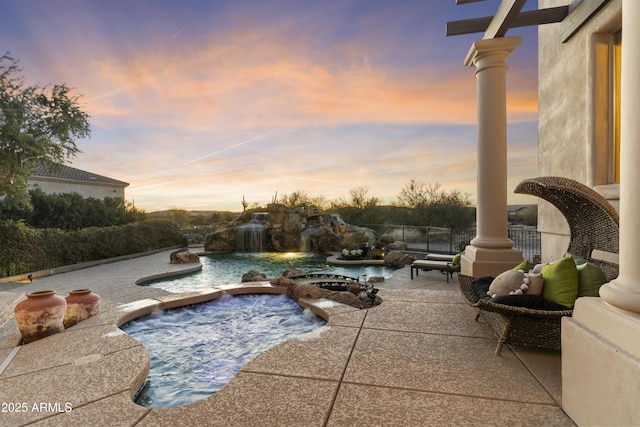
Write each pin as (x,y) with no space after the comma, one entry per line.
(206,87)
(158,105)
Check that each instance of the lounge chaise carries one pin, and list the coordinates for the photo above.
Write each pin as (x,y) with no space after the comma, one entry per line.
(440,257)
(440,262)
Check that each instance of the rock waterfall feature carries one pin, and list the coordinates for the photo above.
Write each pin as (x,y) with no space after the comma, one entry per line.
(281,229)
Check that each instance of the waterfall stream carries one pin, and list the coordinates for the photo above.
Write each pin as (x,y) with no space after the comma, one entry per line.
(250,236)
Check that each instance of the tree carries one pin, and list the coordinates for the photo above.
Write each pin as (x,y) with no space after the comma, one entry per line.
(301,198)
(433,206)
(38,124)
(359,198)
(180,216)
(416,193)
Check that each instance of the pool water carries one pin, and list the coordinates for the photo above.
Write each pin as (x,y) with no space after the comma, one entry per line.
(196,350)
(224,269)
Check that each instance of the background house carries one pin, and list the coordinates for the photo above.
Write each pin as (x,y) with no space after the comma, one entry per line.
(66,179)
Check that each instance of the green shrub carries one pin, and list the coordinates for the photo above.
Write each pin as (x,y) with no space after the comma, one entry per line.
(24,249)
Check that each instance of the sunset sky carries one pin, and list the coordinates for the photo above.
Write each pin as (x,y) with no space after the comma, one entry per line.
(197,103)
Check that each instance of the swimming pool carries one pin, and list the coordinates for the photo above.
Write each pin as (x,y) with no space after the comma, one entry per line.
(196,350)
(224,269)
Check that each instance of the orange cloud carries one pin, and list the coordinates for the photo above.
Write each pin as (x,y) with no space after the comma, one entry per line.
(211,86)
(170,116)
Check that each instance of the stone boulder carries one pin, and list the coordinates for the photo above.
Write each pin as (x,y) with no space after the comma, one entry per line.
(305,290)
(357,300)
(355,288)
(292,272)
(183,256)
(192,239)
(387,238)
(397,259)
(292,223)
(221,239)
(323,239)
(346,298)
(312,212)
(284,282)
(367,302)
(285,242)
(253,276)
(337,223)
(397,246)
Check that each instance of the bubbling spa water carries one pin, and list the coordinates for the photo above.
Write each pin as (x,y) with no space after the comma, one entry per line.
(196,350)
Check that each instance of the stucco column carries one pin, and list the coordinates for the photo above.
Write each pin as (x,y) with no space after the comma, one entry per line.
(600,351)
(624,292)
(490,252)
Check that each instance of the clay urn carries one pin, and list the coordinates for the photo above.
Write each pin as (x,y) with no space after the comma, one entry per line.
(81,304)
(40,315)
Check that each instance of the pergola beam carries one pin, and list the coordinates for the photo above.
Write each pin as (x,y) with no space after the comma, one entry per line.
(579,15)
(507,13)
(524,19)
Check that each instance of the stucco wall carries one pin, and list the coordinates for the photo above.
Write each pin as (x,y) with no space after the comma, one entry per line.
(572,125)
(95,190)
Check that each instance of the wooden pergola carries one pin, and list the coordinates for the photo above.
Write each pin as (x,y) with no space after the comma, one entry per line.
(510,15)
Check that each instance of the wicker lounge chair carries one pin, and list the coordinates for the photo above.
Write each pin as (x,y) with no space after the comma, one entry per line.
(593,223)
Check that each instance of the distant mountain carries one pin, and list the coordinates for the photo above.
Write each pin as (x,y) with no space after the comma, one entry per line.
(170,212)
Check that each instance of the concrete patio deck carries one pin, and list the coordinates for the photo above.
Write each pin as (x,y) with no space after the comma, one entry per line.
(418,359)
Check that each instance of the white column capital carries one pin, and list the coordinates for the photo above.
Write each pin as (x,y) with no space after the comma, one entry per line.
(500,48)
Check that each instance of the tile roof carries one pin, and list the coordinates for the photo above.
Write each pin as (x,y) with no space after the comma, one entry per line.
(73,174)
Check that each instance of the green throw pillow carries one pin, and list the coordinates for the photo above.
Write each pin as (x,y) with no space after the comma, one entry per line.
(524,266)
(561,282)
(578,260)
(590,277)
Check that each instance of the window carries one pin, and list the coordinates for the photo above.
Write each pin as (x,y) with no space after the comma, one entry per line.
(616,73)
(603,108)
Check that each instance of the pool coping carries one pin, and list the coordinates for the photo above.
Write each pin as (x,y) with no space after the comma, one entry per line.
(107,324)
(406,357)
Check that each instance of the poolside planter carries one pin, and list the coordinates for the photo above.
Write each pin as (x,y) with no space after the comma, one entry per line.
(377,253)
(40,315)
(81,304)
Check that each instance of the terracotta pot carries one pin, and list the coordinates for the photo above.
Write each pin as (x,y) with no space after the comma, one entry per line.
(81,304)
(40,315)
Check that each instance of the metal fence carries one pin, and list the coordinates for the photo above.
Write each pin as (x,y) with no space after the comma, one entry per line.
(203,230)
(447,240)
(441,240)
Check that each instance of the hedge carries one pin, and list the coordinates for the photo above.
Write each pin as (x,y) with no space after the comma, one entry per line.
(24,249)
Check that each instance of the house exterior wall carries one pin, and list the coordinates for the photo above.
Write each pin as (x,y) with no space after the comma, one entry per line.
(96,190)
(573,114)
